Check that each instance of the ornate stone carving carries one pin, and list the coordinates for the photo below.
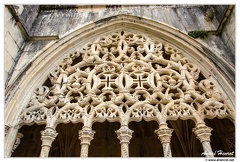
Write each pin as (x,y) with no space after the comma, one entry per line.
(17,141)
(48,136)
(85,135)
(125,77)
(203,133)
(164,134)
(124,135)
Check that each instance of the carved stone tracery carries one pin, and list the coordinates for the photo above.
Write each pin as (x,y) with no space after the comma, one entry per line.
(125,77)
(121,69)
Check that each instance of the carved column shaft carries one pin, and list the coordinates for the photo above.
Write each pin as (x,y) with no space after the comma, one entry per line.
(86,136)
(167,150)
(203,133)
(124,135)
(48,136)
(164,134)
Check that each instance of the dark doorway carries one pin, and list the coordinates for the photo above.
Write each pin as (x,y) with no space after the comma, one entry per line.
(30,145)
(66,143)
(145,142)
(223,137)
(105,142)
(184,142)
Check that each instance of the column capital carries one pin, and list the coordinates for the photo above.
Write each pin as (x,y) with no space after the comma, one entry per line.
(124,134)
(86,135)
(48,136)
(203,133)
(164,133)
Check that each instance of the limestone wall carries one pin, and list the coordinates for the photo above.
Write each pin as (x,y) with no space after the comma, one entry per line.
(60,20)
(228,36)
(13,42)
(183,17)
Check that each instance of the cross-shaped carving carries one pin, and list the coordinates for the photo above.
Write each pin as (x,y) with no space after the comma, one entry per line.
(108,82)
(139,79)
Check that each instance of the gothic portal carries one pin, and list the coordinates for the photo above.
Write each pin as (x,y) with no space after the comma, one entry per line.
(125,93)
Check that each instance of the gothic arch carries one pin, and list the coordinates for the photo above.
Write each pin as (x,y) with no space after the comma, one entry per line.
(122,68)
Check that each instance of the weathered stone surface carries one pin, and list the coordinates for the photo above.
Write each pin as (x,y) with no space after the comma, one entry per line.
(13,42)
(228,37)
(8,62)
(65,18)
(27,15)
(145,70)
(59,20)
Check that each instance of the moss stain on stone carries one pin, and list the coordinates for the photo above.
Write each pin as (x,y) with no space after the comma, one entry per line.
(198,34)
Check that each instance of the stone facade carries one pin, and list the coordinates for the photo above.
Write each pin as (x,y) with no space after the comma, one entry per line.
(119,64)
(49,21)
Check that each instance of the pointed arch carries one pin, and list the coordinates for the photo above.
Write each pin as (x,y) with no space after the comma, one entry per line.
(172,42)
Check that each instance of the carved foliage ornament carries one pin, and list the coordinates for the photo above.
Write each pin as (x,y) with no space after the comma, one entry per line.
(125,77)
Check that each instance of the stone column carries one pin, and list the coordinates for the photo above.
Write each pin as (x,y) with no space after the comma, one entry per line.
(48,136)
(203,133)
(124,135)
(86,136)
(164,134)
